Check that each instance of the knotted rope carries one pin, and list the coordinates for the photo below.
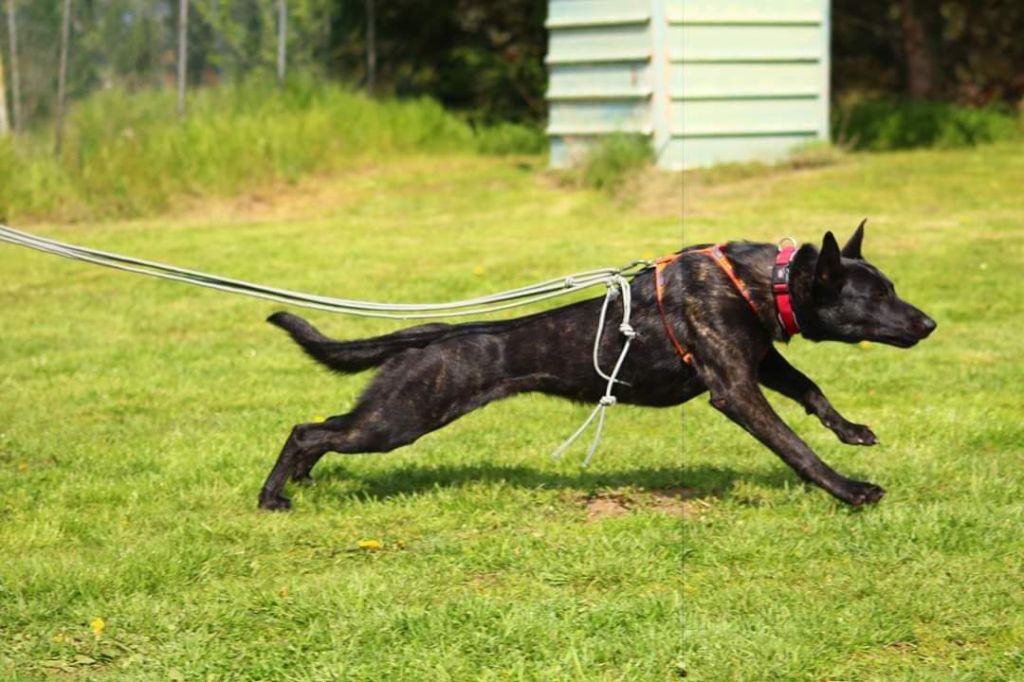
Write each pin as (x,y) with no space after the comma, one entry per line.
(617,285)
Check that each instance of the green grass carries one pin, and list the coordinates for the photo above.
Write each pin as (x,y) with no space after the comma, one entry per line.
(130,155)
(888,124)
(138,419)
(613,159)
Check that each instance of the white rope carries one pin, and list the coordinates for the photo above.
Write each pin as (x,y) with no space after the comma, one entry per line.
(617,281)
(474,306)
(614,287)
(617,285)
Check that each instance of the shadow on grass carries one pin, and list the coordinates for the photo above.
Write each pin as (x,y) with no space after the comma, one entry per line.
(698,481)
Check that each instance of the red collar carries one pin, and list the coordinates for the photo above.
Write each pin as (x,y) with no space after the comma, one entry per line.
(780,288)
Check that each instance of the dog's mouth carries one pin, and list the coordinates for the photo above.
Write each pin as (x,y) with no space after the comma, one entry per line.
(909,337)
(898,341)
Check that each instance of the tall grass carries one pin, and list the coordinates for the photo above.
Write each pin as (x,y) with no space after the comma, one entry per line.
(611,160)
(888,124)
(128,154)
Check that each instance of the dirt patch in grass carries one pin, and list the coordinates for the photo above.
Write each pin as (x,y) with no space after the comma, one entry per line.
(679,501)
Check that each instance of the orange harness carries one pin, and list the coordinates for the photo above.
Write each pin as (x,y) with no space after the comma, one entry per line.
(723,262)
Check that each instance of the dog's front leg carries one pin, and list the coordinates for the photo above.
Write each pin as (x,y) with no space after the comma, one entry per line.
(777,374)
(737,395)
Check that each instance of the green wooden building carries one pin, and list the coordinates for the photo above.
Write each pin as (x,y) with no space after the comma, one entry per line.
(708,81)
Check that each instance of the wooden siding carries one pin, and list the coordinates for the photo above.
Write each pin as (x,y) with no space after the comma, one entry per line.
(601,81)
(709,80)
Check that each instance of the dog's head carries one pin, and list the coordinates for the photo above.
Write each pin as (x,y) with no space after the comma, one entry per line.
(848,299)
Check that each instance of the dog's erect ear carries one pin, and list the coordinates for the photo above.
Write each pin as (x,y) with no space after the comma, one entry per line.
(852,248)
(829,271)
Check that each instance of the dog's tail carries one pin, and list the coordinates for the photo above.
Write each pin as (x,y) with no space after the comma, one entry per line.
(349,357)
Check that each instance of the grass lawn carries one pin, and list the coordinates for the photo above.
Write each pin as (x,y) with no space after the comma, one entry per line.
(138,419)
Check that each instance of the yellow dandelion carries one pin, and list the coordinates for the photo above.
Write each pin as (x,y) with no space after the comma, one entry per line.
(478,269)
(370,545)
(97,626)
(865,344)
(22,468)
(319,418)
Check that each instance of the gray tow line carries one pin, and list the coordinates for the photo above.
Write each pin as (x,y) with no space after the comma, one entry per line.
(616,280)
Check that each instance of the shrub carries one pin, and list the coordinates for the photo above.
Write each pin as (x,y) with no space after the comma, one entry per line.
(510,138)
(613,158)
(884,124)
(32,182)
(128,154)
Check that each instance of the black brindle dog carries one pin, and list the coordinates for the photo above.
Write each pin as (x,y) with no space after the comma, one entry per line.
(433,374)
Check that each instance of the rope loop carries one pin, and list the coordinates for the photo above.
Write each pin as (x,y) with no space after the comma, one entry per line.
(617,285)
(480,305)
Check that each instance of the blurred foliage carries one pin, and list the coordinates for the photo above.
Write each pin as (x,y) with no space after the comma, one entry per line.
(128,154)
(611,160)
(475,55)
(480,57)
(899,123)
(971,49)
(510,138)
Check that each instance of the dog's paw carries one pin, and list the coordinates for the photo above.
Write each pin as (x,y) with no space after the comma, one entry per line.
(275,503)
(856,434)
(859,493)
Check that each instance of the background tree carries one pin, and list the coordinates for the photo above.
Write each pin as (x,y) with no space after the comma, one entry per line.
(478,56)
(12,44)
(4,123)
(62,70)
(965,51)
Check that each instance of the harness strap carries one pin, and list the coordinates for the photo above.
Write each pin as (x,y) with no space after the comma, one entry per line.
(659,294)
(722,261)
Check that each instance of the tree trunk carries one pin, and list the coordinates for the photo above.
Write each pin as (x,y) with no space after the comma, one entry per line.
(182,54)
(282,36)
(4,127)
(62,73)
(371,46)
(917,48)
(12,35)
(218,40)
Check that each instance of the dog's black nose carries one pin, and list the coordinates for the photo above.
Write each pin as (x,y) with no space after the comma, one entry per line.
(928,325)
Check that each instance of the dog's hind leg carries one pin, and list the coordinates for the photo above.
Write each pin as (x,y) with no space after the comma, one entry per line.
(270,496)
(347,433)
(415,393)
(777,374)
(308,442)
(306,460)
